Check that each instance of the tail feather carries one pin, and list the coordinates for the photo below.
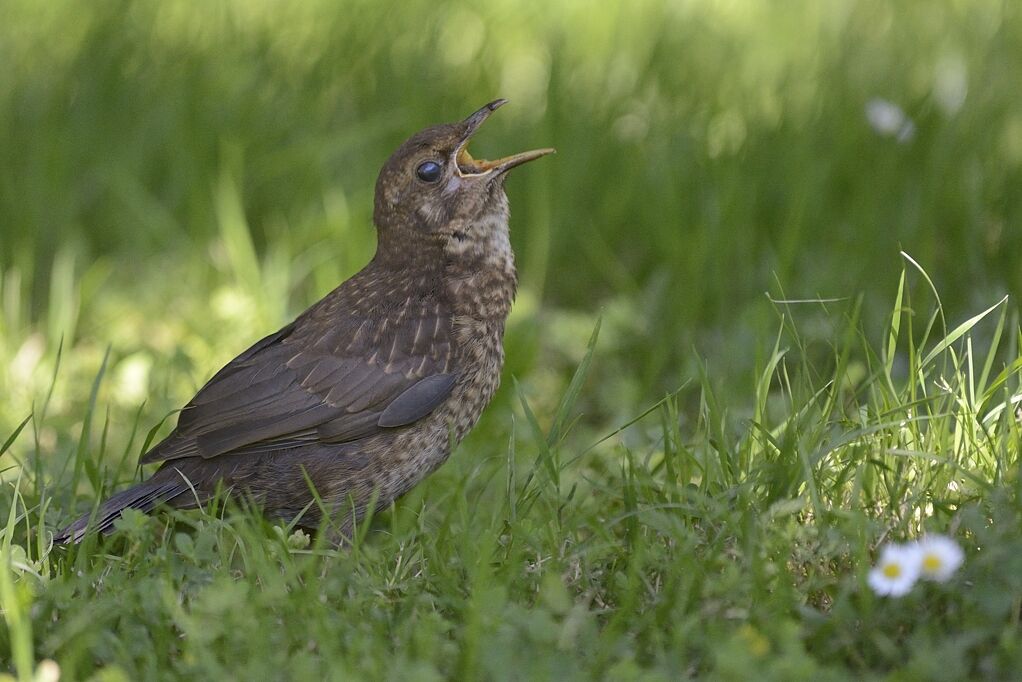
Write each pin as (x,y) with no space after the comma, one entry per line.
(143,497)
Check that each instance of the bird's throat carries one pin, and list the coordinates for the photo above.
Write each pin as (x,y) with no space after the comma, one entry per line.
(480,266)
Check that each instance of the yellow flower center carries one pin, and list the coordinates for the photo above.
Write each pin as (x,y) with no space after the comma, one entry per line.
(892,571)
(931,563)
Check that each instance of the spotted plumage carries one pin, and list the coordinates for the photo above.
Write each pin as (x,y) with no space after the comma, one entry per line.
(365,392)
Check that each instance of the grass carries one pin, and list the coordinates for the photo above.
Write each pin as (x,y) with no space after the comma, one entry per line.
(694,486)
(690,541)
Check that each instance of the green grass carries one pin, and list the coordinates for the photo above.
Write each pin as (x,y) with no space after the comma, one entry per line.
(697,490)
(691,541)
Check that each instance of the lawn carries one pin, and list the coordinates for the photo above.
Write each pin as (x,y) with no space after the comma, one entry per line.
(768,325)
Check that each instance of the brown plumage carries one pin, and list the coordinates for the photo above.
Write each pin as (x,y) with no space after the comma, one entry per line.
(365,392)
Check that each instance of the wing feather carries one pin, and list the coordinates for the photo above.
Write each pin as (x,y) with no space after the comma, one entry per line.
(319,380)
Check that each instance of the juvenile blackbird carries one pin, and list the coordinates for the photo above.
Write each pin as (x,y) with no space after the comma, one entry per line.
(364,394)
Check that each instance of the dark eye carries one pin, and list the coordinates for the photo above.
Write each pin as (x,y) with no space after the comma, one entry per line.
(429,171)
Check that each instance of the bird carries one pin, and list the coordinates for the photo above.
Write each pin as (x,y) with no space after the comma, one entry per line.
(365,393)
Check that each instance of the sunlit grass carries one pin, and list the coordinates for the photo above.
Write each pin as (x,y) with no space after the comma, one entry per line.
(710,534)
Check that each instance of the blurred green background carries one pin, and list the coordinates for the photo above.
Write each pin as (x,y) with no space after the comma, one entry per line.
(179,178)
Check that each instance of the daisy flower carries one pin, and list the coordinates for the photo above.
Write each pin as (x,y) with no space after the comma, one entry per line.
(890,120)
(897,570)
(939,557)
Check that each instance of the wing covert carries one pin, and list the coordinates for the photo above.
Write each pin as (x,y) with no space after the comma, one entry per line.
(308,383)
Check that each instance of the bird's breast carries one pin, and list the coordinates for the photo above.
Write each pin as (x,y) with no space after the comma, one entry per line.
(481,302)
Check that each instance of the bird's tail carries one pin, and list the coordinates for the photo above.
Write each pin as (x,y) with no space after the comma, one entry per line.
(143,497)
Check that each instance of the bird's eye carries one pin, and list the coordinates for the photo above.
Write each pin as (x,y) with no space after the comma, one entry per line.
(429,171)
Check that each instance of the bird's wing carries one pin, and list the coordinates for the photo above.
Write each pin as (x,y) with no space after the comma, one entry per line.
(318,383)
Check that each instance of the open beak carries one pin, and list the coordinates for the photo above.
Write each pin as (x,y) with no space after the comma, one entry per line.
(470,167)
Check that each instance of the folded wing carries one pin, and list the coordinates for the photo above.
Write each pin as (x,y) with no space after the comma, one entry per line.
(319,383)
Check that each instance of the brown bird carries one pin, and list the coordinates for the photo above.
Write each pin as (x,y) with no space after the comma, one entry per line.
(364,394)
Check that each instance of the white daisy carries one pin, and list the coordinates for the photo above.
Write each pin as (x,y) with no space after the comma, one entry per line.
(939,557)
(897,570)
(890,120)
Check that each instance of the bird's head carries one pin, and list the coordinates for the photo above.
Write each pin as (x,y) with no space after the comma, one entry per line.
(431,186)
